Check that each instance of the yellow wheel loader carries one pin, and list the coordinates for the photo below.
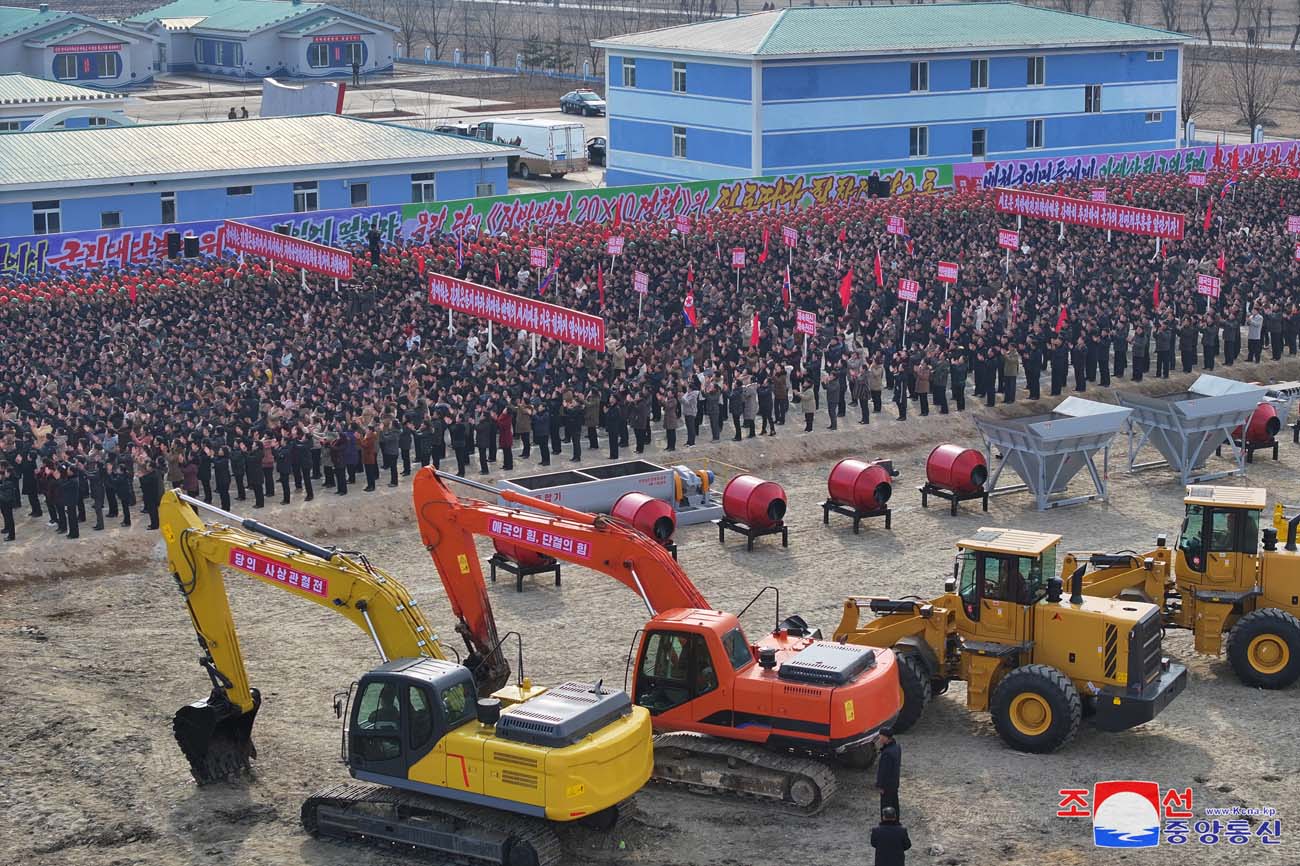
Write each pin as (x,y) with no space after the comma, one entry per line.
(436,767)
(1037,662)
(1221,578)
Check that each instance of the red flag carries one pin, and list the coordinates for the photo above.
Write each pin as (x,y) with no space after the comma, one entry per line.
(785,287)
(910,248)
(600,284)
(1221,262)
(753,332)
(879,271)
(688,307)
(843,234)
(1164,251)
(846,288)
(762,257)
(130,290)
(618,214)
(1218,153)
(1155,293)
(1209,215)
(419,264)
(690,275)
(496,266)
(1060,320)
(1235,160)
(1128,196)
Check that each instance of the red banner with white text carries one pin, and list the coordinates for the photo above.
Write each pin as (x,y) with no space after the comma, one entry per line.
(1094,214)
(291,251)
(514,311)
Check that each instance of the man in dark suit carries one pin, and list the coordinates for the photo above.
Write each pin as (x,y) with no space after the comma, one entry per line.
(890,839)
(888,768)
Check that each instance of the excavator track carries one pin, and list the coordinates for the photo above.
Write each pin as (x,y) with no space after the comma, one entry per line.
(467,834)
(736,769)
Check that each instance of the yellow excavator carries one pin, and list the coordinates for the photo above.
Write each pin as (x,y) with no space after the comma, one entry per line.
(1035,661)
(1216,580)
(435,766)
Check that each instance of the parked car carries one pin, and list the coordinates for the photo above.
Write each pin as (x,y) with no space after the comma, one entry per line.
(585,102)
(596,150)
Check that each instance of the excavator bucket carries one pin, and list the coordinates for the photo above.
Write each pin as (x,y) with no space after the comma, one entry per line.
(216,737)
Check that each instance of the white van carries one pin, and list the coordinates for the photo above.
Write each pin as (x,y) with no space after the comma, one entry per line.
(554,147)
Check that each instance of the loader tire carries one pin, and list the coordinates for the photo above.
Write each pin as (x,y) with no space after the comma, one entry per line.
(1264,648)
(914,681)
(1036,709)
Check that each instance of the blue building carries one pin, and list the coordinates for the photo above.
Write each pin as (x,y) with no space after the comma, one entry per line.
(112,177)
(24,100)
(836,88)
(244,39)
(66,46)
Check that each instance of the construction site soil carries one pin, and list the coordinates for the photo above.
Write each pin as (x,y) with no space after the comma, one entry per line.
(98,652)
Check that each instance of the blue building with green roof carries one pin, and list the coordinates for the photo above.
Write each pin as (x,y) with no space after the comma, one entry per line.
(78,49)
(815,89)
(253,39)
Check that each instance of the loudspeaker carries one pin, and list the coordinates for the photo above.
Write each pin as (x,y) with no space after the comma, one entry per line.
(282,229)
(191,247)
(173,245)
(877,188)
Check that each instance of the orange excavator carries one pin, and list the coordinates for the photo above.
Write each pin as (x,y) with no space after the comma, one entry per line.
(755,720)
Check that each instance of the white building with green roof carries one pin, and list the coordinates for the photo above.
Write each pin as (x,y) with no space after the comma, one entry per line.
(255,39)
(78,49)
(812,89)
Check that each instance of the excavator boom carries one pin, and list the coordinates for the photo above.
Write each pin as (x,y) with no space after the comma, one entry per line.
(216,734)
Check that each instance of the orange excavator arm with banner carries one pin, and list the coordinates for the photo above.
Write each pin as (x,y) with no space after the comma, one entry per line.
(770,710)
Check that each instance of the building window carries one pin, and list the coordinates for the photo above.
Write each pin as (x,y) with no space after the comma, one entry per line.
(318,55)
(422,187)
(1155,56)
(979,74)
(360,193)
(629,73)
(1036,75)
(354,53)
(46,219)
(168,202)
(1155,117)
(679,141)
(97,121)
(1034,134)
(918,141)
(482,189)
(679,77)
(106,65)
(239,190)
(110,219)
(979,142)
(1092,99)
(65,67)
(306,196)
(920,79)
(10,125)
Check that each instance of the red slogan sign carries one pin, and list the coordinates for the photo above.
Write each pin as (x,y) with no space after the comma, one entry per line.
(1196,178)
(738,257)
(1009,239)
(88,49)
(537,257)
(947,272)
(896,225)
(790,236)
(805,322)
(1207,285)
(640,282)
(1097,215)
(613,246)
(1293,224)
(513,311)
(683,224)
(297,253)
(261,566)
(337,37)
(1098,194)
(908,290)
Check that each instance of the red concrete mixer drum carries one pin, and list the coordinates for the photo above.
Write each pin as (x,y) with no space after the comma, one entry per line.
(754,508)
(1262,427)
(862,485)
(650,516)
(961,470)
(521,555)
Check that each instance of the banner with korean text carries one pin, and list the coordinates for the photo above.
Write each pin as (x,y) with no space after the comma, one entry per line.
(514,311)
(1097,215)
(291,251)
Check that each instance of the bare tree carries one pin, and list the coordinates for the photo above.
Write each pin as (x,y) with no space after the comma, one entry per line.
(1295,36)
(1128,9)
(1238,6)
(1256,80)
(493,23)
(434,26)
(1169,12)
(1205,8)
(1196,86)
(408,17)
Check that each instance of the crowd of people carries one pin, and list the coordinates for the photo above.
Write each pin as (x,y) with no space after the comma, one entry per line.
(229,381)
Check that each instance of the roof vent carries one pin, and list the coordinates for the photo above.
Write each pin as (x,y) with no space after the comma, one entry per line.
(44,7)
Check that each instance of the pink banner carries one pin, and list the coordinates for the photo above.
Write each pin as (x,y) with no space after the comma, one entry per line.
(1196,178)
(1207,285)
(947,272)
(552,541)
(1009,239)
(537,257)
(640,282)
(908,290)
(1293,224)
(683,224)
(269,569)
(738,257)
(790,236)
(1097,215)
(614,245)
(1098,194)
(896,225)
(513,311)
(317,258)
(805,322)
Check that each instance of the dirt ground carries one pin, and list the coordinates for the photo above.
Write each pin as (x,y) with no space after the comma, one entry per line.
(98,653)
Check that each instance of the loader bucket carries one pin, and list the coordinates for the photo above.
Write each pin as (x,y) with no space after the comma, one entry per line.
(216,737)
